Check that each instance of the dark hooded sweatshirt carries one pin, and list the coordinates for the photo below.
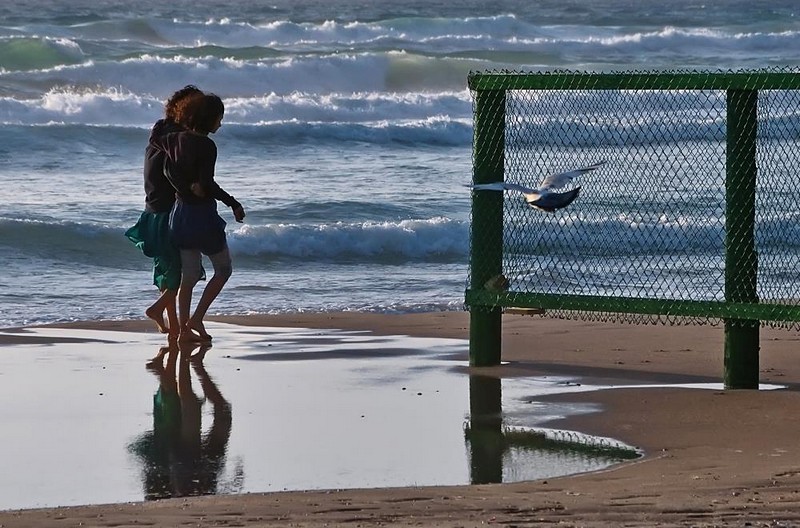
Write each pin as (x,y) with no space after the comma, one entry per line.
(191,159)
(158,191)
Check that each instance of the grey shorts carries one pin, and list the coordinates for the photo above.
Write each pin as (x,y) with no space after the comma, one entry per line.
(192,264)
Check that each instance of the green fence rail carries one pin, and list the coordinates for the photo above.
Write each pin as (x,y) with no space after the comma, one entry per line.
(693,217)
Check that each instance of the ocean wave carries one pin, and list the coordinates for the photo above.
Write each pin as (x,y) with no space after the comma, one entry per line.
(153,56)
(364,107)
(436,131)
(82,243)
(489,41)
(336,72)
(639,234)
(623,234)
(435,118)
(435,34)
(436,239)
(18,53)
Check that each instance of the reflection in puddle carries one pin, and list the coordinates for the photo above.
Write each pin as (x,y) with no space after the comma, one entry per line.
(502,453)
(515,455)
(302,409)
(178,458)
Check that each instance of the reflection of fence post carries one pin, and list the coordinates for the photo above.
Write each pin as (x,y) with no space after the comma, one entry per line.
(741,260)
(486,254)
(486,445)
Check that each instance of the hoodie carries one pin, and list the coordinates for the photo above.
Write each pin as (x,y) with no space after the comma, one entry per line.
(158,191)
(191,158)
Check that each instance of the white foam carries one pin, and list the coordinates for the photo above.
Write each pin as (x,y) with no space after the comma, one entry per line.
(403,240)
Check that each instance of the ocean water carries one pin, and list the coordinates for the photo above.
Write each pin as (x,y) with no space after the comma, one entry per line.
(347,134)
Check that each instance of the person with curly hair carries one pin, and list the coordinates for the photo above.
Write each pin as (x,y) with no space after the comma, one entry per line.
(151,232)
(196,227)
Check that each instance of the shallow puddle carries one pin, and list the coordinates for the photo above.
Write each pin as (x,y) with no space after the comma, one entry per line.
(86,419)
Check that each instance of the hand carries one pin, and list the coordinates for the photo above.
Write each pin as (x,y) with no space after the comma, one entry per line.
(197,190)
(238,214)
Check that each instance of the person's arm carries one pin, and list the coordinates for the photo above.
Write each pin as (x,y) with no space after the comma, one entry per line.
(212,188)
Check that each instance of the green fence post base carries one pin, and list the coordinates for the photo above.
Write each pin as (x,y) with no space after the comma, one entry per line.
(741,354)
(485,329)
(741,257)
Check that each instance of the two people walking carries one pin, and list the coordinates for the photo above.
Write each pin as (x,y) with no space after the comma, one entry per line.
(180,222)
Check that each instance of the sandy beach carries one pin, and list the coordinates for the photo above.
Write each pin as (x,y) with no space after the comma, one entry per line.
(712,458)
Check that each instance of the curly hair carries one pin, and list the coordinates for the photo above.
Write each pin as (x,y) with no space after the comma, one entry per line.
(177,97)
(199,112)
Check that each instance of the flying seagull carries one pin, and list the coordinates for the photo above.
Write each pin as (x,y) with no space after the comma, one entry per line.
(544,197)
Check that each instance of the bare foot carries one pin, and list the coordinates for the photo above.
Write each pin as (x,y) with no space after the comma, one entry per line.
(157,363)
(200,355)
(187,336)
(198,327)
(186,348)
(154,366)
(157,316)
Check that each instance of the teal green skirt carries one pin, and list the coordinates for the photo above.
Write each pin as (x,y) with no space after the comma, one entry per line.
(151,235)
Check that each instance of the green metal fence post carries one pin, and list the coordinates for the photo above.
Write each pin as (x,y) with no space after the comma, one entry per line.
(486,255)
(741,260)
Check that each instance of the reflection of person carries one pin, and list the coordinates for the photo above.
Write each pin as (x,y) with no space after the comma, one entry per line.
(179,460)
(151,232)
(157,448)
(195,225)
(201,457)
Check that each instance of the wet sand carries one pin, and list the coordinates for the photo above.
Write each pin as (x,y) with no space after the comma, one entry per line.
(713,458)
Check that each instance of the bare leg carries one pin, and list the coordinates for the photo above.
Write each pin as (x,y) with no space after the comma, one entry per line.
(190,274)
(156,311)
(172,314)
(185,333)
(210,293)
(222,272)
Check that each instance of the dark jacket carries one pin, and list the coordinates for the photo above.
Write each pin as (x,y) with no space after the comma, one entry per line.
(191,158)
(158,191)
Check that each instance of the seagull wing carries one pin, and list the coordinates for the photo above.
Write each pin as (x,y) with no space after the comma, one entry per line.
(555,181)
(504,186)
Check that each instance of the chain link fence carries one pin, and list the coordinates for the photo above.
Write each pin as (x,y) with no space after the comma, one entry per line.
(693,218)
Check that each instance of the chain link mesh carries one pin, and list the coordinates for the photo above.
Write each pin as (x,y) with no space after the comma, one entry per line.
(650,228)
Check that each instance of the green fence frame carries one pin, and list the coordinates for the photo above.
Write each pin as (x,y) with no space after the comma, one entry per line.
(741,311)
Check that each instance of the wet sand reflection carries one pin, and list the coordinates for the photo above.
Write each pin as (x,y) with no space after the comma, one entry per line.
(314,409)
(178,458)
(501,452)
